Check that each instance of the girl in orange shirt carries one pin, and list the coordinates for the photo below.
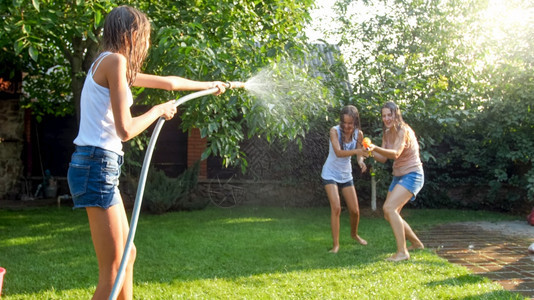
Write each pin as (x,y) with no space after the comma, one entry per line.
(400,144)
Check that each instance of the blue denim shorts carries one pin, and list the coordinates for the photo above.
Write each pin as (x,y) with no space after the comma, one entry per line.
(93,177)
(339,185)
(413,182)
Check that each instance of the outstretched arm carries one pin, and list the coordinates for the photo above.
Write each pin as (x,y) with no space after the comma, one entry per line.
(334,139)
(111,74)
(382,154)
(176,83)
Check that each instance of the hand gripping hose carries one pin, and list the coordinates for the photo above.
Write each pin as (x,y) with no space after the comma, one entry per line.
(141,187)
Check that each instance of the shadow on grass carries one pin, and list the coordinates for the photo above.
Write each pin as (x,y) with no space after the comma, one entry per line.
(51,250)
(459,280)
(233,245)
(42,248)
(241,243)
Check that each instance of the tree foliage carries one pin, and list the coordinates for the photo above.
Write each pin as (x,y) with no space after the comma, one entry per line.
(56,41)
(465,90)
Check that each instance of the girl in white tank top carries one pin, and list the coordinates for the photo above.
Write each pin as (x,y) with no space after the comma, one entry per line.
(345,142)
(105,123)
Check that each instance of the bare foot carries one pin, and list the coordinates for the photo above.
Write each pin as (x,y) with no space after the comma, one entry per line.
(360,240)
(334,250)
(398,257)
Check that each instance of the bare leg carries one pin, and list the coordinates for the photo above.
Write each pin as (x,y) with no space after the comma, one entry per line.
(127,286)
(335,210)
(410,236)
(349,194)
(395,201)
(109,230)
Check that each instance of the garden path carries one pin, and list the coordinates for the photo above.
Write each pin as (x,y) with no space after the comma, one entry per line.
(496,250)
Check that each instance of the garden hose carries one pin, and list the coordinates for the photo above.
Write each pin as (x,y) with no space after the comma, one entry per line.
(142,181)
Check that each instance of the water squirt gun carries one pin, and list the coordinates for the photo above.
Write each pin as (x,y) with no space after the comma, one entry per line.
(366,143)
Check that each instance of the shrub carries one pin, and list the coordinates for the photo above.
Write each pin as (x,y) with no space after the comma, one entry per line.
(163,193)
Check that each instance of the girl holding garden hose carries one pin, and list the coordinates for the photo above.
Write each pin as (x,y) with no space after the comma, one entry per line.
(106,122)
(400,144)
(345,142)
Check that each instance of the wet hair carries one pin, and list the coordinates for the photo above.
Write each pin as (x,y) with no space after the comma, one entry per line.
(395,110)
(351,111)
(127,31)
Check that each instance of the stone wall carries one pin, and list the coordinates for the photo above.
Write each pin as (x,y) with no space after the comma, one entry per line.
(11,146)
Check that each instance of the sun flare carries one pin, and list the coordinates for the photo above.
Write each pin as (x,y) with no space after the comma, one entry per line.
(505,17)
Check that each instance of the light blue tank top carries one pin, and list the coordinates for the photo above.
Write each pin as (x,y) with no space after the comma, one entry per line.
(336,168)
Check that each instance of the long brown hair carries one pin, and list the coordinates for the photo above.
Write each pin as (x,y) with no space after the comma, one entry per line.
(127,31)
(395,110)
(351,111)
(399,121)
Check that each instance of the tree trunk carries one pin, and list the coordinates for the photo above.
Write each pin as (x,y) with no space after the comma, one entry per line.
(77,85)
(84,52)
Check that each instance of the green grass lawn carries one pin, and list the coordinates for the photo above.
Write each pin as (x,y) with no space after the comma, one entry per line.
(239,253)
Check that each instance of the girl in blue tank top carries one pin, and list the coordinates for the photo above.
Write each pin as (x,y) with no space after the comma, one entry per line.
(345,142)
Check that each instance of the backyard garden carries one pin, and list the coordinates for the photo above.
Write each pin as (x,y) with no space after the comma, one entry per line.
(250,219)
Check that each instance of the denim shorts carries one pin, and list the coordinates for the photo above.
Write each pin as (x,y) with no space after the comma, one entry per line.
(339,185)
(93,177)
(413,182)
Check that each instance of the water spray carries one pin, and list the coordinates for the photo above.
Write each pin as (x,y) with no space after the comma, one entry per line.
(142,181)
(285,92)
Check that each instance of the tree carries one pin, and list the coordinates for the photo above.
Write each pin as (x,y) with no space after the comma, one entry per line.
(55,42)
(466,93)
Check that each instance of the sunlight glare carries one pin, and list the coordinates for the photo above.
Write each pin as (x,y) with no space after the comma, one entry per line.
(501,17)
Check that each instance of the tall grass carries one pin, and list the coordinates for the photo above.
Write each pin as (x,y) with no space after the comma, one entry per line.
(240,253)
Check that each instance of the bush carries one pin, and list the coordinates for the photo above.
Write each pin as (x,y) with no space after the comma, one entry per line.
(164,194)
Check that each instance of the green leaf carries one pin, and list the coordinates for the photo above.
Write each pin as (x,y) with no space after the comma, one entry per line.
(35,4)
(18,46)
(34,54)
(98,19)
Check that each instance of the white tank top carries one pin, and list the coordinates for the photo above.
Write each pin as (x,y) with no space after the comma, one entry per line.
(97,124)
(336,168)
